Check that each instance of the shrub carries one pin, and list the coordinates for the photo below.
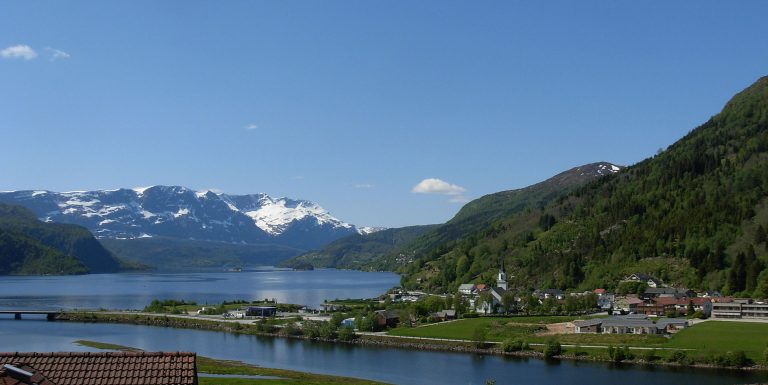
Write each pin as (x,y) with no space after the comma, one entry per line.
(552,348)
(328,330)
(346,334)
(265,326)
(699,314)
(469,315)
(290,329)
(617,354)
(510,345)
(478,337)
(650,355)
(736,358)
(680,357)
(311,329)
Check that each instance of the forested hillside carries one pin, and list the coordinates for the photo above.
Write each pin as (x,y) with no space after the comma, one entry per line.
(694,214)
(29,246)
(394,248)
(357,251)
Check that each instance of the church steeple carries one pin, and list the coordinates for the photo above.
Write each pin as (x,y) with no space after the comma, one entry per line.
(501,281)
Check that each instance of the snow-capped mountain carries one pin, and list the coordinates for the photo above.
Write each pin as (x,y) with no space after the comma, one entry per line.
(179,212)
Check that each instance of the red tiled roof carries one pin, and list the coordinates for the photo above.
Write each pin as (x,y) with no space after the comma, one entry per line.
(698,301)
(599,291)
(113,368)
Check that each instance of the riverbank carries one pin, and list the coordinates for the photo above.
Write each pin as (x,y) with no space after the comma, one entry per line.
(680,357)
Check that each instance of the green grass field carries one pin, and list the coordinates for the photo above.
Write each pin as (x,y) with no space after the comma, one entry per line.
(722,336)
(498,328)
(706,337)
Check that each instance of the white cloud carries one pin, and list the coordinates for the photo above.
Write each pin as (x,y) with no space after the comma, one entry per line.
(298,177)
(20,51)
(437,186)
(441,187)
(57,54)
(251,126)
(364,185)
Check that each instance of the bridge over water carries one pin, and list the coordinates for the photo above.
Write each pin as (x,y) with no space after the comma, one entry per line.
(50,315)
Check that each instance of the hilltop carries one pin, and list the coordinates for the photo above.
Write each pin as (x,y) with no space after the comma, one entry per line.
(694,215)
(394,248)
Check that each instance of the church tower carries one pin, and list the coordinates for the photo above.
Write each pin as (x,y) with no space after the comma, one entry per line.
(501,281)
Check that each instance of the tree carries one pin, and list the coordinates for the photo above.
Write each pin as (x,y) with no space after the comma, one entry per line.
(479,336)
(346,333)
(462,266)
(508,301)
(485,302)
(552,348)
(460,303)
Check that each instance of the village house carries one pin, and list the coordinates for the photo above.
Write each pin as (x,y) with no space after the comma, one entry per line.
(445,315)
(473,292)
(647,279)
(467,289)
(662,305)
(626,304)
(605,301)
(174,368)
(387,318)
(549,293)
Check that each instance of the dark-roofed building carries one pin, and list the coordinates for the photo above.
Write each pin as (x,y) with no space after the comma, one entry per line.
(672,292)
(387,318)
(671,325)
(261,311)
(630,324)
(113,368)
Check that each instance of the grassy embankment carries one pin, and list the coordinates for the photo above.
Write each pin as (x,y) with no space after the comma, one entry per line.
(214,366)
(700,341)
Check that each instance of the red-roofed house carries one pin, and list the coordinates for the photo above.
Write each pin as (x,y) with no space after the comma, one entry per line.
(113,368)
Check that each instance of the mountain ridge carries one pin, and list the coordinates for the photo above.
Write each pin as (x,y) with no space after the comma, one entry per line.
(179,212)
(392,248)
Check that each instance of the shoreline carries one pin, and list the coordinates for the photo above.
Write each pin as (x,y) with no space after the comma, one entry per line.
(411,343)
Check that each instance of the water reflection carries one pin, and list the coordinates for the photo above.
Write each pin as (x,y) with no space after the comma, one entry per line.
(134,291)
(380,363)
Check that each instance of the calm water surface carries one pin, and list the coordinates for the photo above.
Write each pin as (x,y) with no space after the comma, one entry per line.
(384,364)
(134,291)
(397,366)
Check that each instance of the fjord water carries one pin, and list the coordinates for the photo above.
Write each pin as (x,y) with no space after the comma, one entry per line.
(134,291)
(397,366)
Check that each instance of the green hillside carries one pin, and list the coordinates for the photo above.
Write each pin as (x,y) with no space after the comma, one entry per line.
(693,215)
(394,248)
(483,212)
(359,251)
(29,246)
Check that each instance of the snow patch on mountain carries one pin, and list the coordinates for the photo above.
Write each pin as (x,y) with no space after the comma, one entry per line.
(274,215)
(179,212)
(365,230)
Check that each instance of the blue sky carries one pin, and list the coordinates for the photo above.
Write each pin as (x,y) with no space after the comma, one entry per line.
(352,104)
